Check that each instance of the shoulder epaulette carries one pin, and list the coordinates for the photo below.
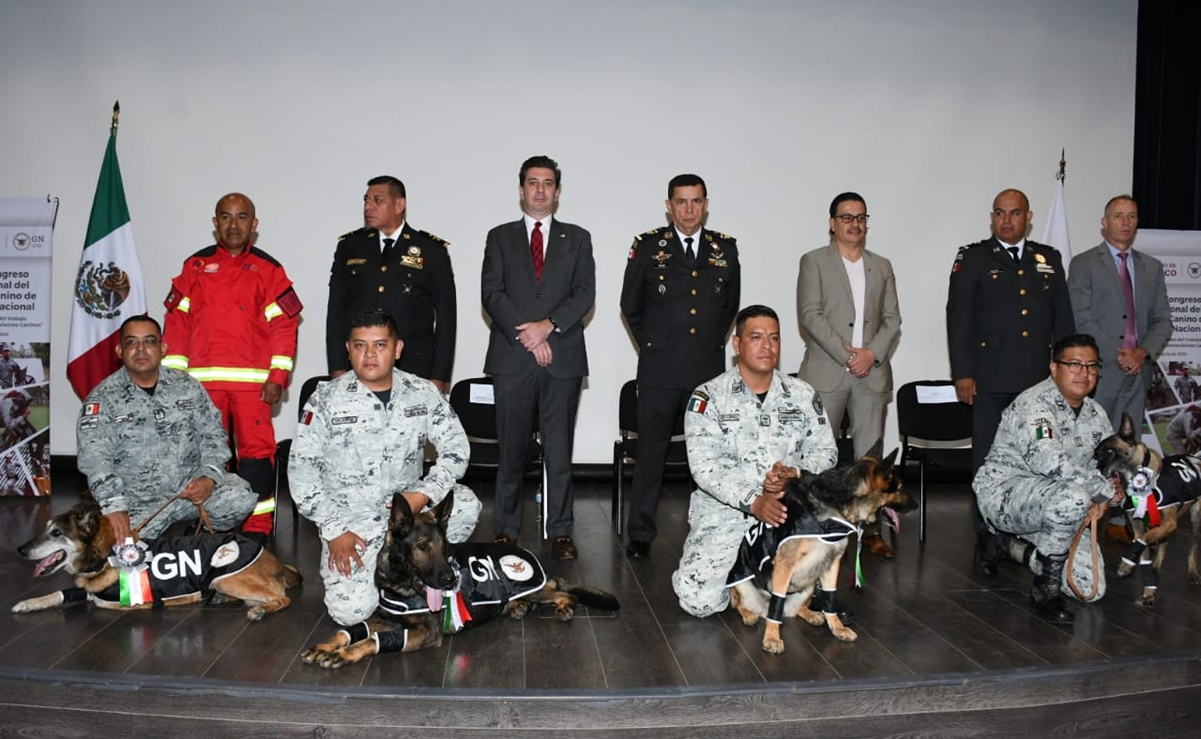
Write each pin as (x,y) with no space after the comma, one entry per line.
(653,232)
(432,237)
(358,231)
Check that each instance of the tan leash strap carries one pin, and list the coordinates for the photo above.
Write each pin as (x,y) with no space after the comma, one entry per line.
(202,520)
(1089,523)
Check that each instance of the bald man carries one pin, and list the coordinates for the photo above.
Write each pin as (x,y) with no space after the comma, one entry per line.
(1007,305)
(232,316)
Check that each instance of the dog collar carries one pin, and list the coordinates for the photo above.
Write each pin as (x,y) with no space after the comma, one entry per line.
(1146,456)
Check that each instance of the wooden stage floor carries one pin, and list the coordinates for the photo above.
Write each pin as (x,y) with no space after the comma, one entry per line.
(941,652)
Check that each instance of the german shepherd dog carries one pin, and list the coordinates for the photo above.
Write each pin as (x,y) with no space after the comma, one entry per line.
(418,569)
(1170,485)
(800,579)
(80,541)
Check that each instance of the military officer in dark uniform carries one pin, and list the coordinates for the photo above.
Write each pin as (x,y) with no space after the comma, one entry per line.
(406,272)
(1007,304)
(679,297)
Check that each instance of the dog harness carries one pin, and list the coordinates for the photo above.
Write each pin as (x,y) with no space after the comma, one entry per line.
(186,565)
(757,554)
(1178,482)
(489,575)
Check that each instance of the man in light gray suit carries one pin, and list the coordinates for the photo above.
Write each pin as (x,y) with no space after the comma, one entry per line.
(538,284)
(1129,344)
(847,303)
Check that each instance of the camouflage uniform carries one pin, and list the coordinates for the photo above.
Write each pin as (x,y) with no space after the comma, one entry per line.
(733,440)
(138,450)
(1180,432)
(8,372)
(1039,478)
(351,454)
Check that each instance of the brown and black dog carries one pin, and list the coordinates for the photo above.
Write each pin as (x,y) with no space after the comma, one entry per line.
(429,587)
(1169,485)
(178,570)
(792,570)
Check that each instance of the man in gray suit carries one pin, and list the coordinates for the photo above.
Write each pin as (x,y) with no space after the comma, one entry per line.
(538,284)
(1129,344)
(847,304)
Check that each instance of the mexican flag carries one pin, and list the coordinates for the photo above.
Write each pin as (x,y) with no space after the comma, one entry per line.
(108,286)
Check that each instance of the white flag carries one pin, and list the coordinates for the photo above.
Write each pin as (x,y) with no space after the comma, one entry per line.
(1056,231)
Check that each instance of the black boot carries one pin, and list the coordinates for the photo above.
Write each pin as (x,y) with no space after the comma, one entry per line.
(990,549)
(1045,597)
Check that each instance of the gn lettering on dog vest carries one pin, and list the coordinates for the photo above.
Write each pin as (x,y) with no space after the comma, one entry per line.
(489,575)
(187,565)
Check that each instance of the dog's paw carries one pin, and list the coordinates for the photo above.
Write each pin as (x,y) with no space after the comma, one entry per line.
(256,613)
(1146,600)
(41,603)
(773,646)
(1194,579)
(518,609)
(842,633)
(314,655)
(749,618)
(812,617)
(1124,569)
(565,612)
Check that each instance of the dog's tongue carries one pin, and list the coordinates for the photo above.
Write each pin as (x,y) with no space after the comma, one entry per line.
(434,599)
(894,520)
(48,562)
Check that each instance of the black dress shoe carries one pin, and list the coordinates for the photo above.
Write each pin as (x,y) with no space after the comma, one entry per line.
(503,538)
(638,549)
(562,548)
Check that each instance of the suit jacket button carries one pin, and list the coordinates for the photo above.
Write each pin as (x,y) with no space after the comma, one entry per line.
(538,295)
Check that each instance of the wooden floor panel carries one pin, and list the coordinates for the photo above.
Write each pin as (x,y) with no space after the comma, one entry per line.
(923,617)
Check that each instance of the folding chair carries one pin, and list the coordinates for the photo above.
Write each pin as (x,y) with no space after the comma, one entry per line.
(930,420)
(283,449)
(473,400)
(625,449)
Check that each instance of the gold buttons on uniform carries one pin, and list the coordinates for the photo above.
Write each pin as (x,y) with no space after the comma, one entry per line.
(1021,272)
(1022,291)
(1025,334)
(693,311)
(1024,311)
(381,288)
(692,330)
(694,273)
(661,278)
(383,268)
(694,291)
(983,343)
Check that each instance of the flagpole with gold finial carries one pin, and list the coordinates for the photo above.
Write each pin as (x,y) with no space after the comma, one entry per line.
(117,112)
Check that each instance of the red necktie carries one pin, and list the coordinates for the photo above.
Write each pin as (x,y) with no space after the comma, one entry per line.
(536,250)
(1130,340)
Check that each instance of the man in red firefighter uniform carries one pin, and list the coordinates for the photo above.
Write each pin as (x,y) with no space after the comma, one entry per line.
(231,323)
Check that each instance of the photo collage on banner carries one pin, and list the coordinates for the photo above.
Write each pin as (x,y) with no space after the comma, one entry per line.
(26,237)
(1173,423)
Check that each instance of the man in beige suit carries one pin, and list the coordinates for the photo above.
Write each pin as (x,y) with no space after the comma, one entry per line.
(847,303)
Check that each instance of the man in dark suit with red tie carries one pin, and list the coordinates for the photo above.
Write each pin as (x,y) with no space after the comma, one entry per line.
(538,284)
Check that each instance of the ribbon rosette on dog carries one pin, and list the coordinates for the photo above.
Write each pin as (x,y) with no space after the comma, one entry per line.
(131,561)
(1141,499)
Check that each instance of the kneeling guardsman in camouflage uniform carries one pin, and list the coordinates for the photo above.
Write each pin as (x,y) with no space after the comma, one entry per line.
(148,432)
(738,425)
(1039,481)
(362,438)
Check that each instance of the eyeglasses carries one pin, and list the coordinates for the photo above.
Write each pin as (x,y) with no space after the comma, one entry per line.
(1077,367)
(848,218)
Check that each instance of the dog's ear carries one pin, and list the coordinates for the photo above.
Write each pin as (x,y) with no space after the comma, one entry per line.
(891,459)
(1126,429)
(877,450)
(402,514)
(87,518)
(443,509)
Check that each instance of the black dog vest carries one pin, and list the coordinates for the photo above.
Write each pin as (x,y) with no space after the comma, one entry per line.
(756,555)
(187,565)
(489,575)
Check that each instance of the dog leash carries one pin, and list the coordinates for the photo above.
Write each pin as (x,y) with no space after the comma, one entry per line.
(202,520)
(1089,523)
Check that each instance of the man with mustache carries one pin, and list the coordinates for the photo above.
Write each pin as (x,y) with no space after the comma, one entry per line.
(232,316)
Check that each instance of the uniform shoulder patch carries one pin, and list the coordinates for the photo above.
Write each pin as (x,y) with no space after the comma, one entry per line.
(818,408)
(173,298)
(698,402)
(1042,429)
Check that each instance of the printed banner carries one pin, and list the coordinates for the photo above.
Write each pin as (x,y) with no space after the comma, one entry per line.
(26,237)
(1174,398)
